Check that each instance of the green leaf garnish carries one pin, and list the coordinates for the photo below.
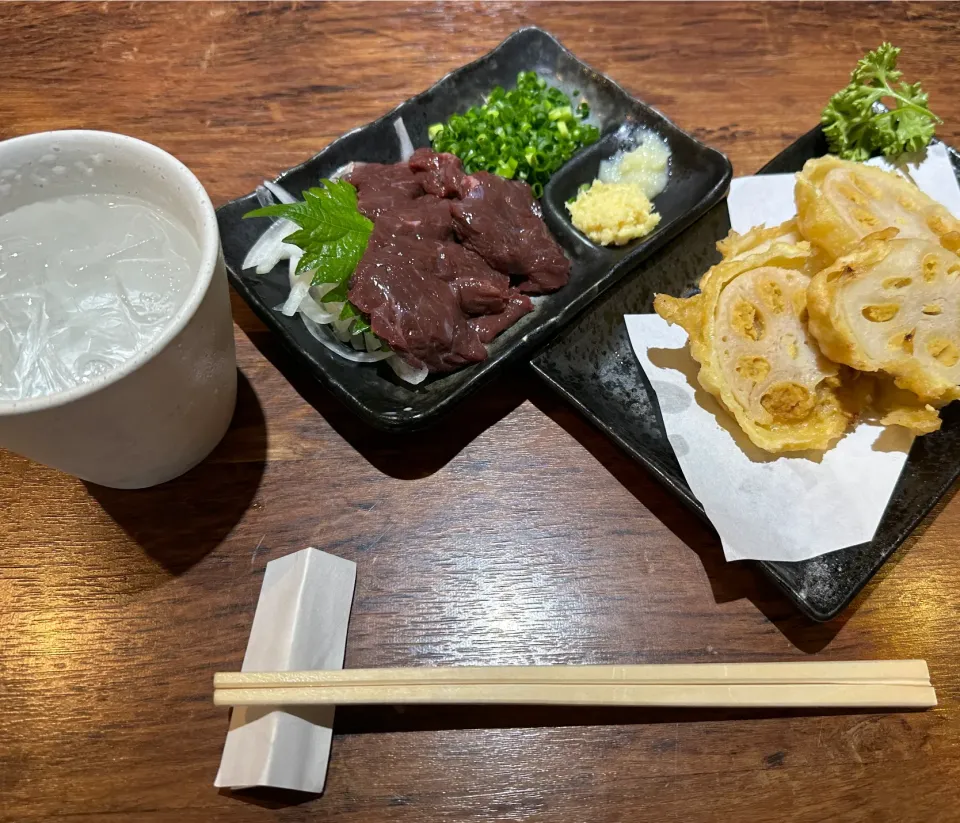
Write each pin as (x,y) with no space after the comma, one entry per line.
(856,130)
(337,295)
(360,325)
(332,233)
(333,236)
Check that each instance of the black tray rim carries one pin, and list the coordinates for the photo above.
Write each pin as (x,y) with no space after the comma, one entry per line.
(537,336)
(690,501)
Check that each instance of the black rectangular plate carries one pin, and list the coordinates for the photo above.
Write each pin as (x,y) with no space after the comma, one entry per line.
(699,179)
(593,365)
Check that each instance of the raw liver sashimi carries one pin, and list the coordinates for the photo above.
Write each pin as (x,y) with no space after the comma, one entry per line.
(427,218)
(490,325)
(500,221)
(480,289)
(435,301)
(439,174)
(414,312)
(383,188)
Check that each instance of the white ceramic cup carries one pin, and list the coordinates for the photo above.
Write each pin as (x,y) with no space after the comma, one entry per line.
(163,411)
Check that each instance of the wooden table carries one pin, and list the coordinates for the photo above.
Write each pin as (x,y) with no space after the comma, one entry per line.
(513,533)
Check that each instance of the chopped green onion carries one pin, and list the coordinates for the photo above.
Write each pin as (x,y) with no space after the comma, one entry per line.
(526,133)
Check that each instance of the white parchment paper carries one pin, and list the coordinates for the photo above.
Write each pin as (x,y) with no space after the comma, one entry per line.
(766,507)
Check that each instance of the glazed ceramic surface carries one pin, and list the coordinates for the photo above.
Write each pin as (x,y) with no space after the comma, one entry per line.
(699,177)
(593,365)
(161,412)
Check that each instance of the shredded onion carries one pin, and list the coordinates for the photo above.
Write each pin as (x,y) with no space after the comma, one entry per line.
(270,248)
(264,198)
(406,372)
(299,288)
(317,312)
(341,328)
(348,354)
(344,170)
(279,192)
(406,147)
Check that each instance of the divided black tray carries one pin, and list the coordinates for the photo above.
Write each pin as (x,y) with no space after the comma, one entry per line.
(699,179)
(593,365)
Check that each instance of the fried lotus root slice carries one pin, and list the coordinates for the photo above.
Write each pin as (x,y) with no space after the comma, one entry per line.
(879,400)
(760,239)
(893,306)
(840,202)
(897,407)
(747,331)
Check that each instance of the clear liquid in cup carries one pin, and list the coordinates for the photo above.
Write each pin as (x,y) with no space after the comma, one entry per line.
(86,281)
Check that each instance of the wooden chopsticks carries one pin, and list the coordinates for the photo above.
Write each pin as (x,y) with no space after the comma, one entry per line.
(868,683)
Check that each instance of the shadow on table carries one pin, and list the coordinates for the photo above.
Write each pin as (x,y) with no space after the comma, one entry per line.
(269,798)
(358,720)
(389,719)
(179,522)
(728,581)
(404,456)
(891,562)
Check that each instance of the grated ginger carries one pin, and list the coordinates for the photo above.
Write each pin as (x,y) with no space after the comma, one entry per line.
(613,213)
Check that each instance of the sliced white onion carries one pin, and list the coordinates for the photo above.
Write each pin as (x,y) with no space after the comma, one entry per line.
(371,341)
(320,333)
(335,308)
(342,328)
(270,248)
(317,311)
(279,192)
(264,198)
(299,288)
(282,252)
(344,170)
(314,307)
(406,372)
(406,147)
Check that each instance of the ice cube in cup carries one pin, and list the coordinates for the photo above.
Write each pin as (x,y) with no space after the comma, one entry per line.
(116,340)
(86,281)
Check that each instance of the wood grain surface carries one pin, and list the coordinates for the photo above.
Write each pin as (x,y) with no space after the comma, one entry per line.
(513,533)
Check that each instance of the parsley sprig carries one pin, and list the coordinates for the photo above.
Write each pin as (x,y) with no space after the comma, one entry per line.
(332,234)
(856,128)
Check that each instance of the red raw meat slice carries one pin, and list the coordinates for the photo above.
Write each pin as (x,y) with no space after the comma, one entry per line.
(416,313)
(500,221)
